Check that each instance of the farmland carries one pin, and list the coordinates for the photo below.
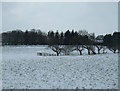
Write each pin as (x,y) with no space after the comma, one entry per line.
(23,68)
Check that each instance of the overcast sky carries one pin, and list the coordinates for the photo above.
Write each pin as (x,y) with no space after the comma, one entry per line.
(100,18)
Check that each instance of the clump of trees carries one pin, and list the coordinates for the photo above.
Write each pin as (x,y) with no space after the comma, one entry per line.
(112,41)
(64,42)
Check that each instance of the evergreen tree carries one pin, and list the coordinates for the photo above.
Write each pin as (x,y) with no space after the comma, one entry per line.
(67,38)
(51,37)
(57,40)
(26,41)
(61,38)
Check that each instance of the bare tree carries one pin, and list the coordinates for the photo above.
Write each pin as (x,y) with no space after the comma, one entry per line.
(90,48)
(79,48)
(113,49)
(66,49)
(56,48)
(99,47)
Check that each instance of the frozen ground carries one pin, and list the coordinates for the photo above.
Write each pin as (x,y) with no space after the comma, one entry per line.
(22,68)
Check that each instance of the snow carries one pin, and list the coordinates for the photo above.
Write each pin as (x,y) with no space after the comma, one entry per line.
(23,69)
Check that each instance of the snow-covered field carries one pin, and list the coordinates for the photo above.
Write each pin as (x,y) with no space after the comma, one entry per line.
(22,69)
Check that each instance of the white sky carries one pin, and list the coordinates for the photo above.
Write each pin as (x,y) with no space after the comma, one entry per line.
(97,17)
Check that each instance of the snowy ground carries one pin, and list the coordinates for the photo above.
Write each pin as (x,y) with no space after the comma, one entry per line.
(22,68)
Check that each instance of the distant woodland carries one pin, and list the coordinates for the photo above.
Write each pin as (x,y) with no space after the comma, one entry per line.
(83,38)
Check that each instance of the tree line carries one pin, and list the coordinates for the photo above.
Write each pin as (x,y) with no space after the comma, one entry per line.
(37,37)
(79,39)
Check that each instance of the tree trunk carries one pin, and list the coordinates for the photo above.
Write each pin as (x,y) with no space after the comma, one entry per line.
(88,51)
(114,51)
(98,51)
(80,52)
(93,52)
(57,54)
